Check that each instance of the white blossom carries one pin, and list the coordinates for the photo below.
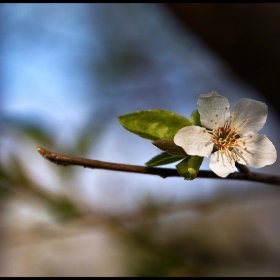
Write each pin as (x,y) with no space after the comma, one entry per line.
(229,134)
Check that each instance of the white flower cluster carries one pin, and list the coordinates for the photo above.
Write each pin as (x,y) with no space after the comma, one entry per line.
(230,134)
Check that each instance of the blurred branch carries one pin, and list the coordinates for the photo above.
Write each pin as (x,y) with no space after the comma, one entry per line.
(245,35)
(244,173)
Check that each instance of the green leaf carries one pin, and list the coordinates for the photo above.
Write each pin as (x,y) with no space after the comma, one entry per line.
(154,124)
(195,118)
(189,167)
(162,159)
(170,147)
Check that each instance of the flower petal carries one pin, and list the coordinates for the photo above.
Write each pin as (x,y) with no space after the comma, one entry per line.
(259,150)
(254,111)
(195,140)
(221,165)
(213,109)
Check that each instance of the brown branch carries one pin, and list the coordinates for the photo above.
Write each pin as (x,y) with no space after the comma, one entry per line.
(245,174)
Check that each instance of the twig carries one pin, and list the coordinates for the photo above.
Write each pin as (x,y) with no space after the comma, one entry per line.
(245,174)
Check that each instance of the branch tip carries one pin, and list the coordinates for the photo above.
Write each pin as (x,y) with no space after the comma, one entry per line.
(41,151)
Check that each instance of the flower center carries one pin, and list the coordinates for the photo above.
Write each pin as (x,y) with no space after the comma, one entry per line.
(224,138)
(226,133)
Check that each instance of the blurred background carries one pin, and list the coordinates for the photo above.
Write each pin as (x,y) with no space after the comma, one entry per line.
(67,72)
